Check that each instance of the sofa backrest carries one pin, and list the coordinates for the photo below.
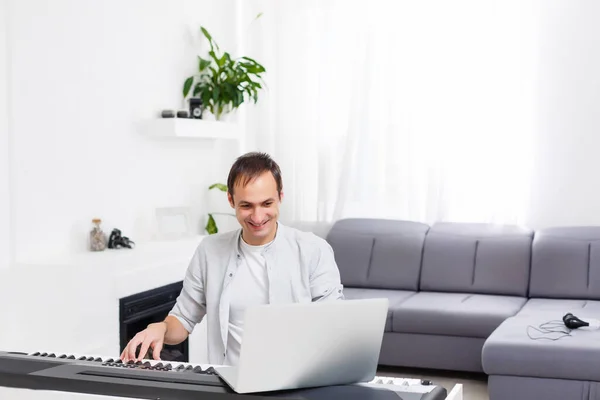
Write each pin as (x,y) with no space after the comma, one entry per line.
(566,263)
(477,258)
(378,253)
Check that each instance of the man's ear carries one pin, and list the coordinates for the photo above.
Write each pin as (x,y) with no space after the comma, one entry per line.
(281,195)
(230,199)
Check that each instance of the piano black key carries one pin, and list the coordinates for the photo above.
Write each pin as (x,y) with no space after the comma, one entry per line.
(71,357)
(189,368)
(90,358)
(210,371)
(180,367)
(119,361)
(37,353)
(97,359)
(82,358)
(110,360)
(62,356)
(197,369)
(130,362)
(43,354)
(52,355)
(168,367)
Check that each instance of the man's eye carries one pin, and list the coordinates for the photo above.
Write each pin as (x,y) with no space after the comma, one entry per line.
(268,204)
(245,206)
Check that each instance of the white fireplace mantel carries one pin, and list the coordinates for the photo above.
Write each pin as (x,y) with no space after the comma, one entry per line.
(71,304)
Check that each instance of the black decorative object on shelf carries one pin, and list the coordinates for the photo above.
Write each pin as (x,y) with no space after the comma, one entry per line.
(196,108)
(117,241)
(168,114)
(183,114)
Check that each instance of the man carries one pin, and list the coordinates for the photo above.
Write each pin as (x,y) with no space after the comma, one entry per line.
(264,262)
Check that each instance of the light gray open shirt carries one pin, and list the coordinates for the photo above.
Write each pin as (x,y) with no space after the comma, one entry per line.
(300,268)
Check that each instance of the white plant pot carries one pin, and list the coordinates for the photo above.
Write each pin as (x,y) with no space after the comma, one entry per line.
(225,117)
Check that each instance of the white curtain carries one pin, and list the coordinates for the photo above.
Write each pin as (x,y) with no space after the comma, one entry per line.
(414,110)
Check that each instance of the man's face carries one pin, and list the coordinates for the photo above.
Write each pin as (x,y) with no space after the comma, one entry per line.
(257,208)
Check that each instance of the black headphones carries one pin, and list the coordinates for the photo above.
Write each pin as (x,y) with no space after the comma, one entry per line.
(572,322)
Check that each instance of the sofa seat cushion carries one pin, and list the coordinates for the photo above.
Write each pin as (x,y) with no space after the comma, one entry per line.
(517,349)
(454,314)
(395,297)
(559,306)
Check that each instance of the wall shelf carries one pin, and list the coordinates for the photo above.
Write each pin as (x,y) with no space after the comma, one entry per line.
(192,128)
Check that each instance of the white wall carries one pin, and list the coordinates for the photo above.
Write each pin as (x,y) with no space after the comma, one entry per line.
(5,237)
(566,189)
(85,75)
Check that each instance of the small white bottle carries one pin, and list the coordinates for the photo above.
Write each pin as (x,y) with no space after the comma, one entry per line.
(97,237)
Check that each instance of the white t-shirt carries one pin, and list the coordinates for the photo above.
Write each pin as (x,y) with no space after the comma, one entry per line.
(249,287)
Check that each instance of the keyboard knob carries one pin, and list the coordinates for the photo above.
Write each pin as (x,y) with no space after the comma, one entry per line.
(198,369)
(210,371)
(180,367)
(189,368)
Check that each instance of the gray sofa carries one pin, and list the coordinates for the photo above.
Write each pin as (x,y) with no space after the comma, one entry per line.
(465,296)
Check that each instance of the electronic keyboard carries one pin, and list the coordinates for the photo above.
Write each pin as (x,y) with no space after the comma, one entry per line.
(152,379)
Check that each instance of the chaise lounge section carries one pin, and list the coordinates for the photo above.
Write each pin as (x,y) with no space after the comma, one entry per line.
(524,363)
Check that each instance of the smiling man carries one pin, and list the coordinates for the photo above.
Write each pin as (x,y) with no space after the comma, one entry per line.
(264,262)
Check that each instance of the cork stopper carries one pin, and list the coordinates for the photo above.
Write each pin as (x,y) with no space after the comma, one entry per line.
(96,220)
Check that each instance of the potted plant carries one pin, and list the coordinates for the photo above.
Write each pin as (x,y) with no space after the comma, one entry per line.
(224,83)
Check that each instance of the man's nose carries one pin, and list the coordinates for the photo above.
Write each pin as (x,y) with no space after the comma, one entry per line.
(257,215)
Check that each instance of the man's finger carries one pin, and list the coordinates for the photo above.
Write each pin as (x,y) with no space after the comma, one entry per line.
(156,349)
(130,350)
(143,350)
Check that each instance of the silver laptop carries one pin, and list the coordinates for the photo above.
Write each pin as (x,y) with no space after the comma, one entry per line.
(301,345)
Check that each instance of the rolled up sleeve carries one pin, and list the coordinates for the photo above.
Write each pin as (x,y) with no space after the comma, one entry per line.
(190,306)
(325,282)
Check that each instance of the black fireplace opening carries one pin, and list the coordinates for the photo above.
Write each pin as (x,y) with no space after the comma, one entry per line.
(139,310)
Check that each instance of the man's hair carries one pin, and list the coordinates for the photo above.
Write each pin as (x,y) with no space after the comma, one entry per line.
(250,166)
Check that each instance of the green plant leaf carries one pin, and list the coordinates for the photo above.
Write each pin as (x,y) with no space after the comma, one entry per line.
(222,187)
(202,64)
(211,225)
(187,85)
(207,35)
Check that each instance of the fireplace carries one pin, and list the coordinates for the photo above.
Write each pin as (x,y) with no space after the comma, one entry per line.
(140,309)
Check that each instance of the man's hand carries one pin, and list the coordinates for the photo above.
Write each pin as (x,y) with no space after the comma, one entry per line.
(153,336)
